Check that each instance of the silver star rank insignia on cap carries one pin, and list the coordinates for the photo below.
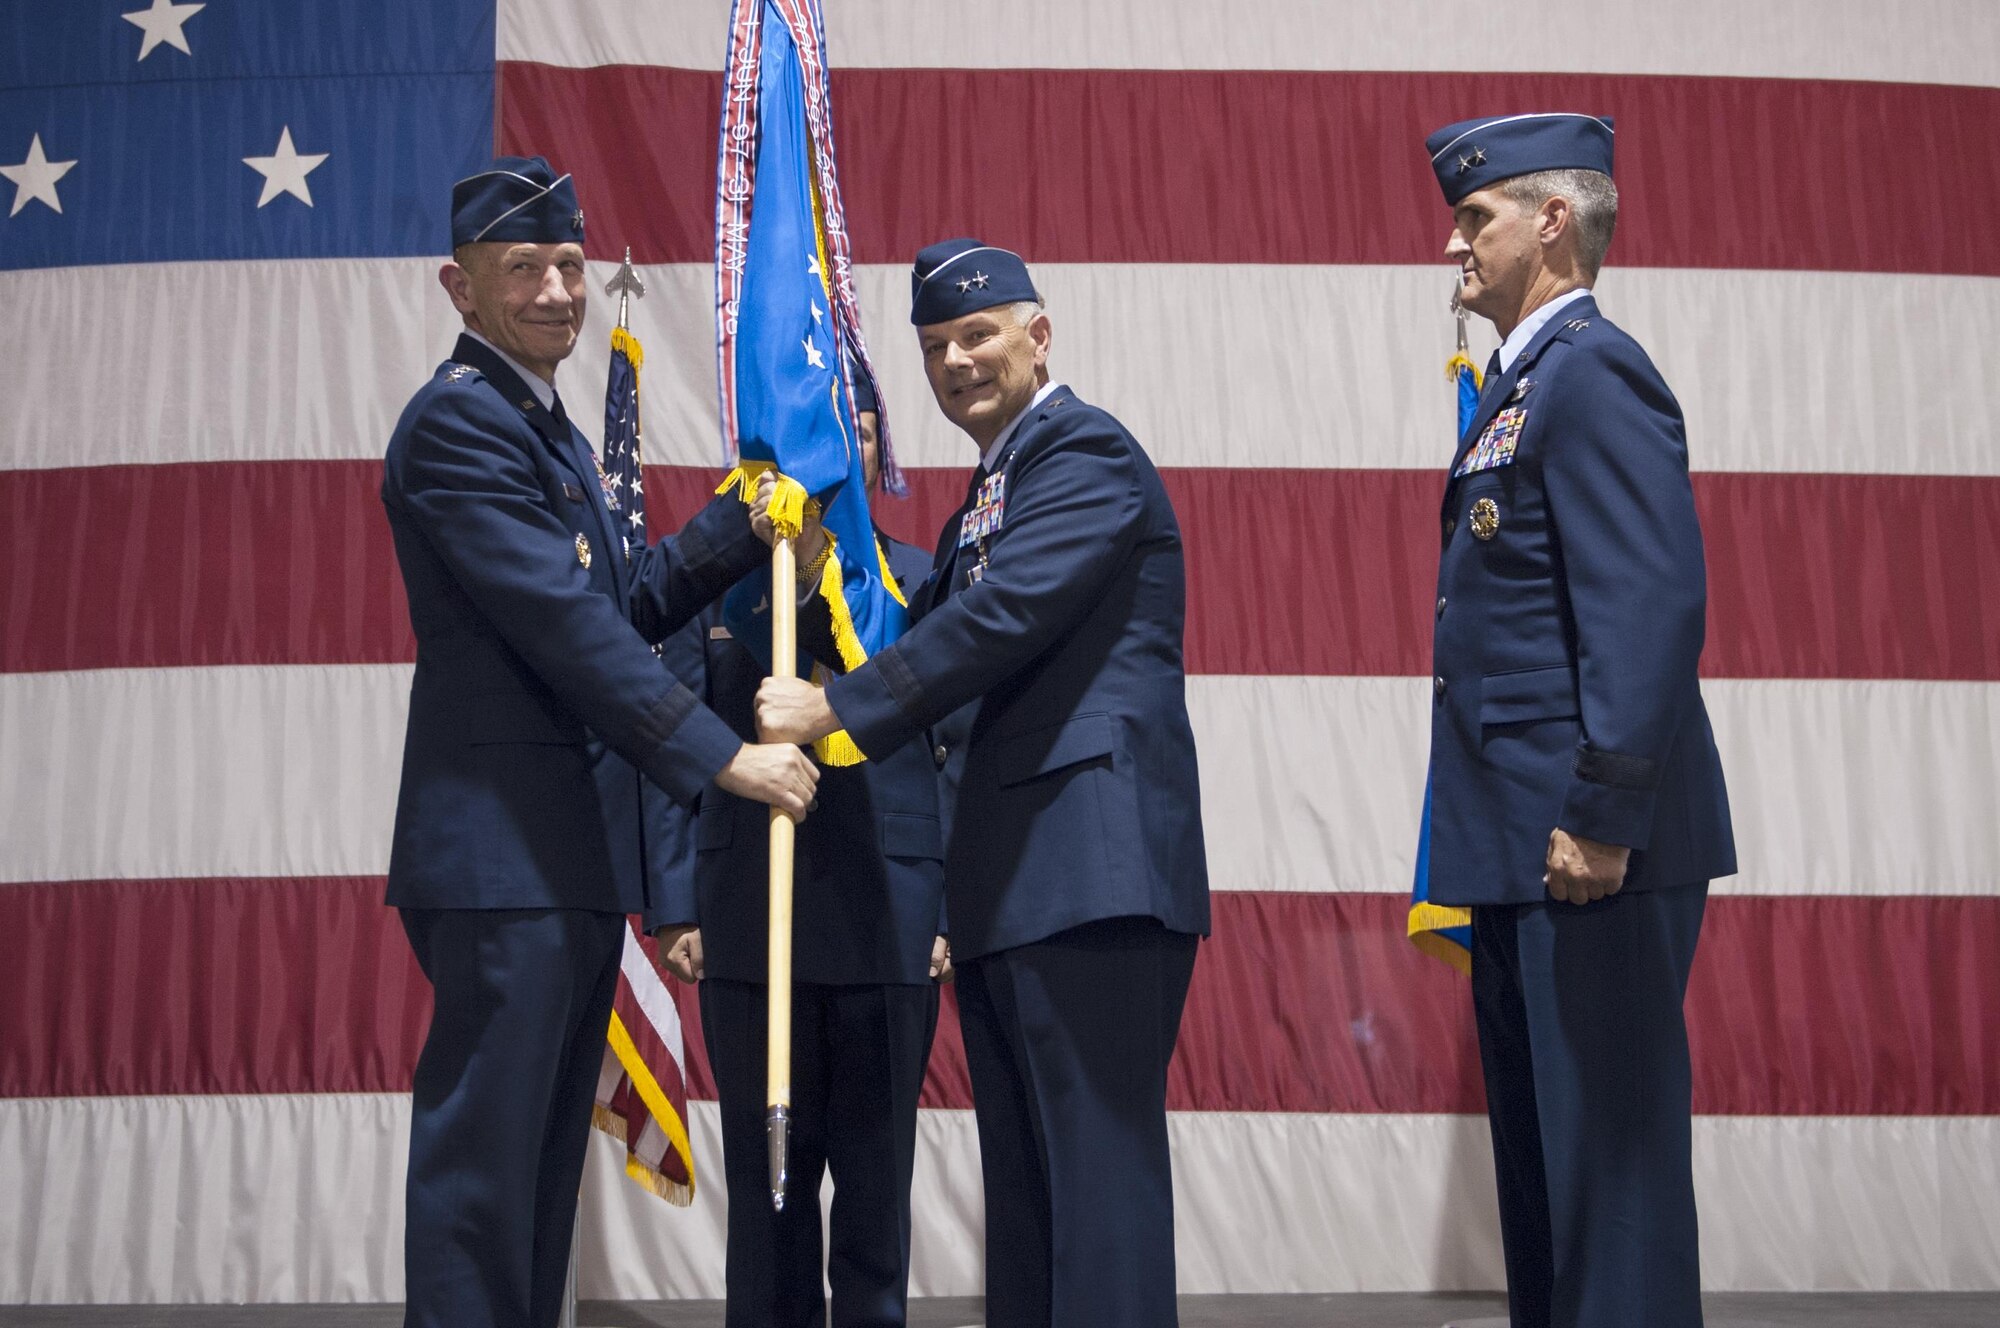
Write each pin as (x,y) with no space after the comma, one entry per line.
(1478,159)
(964,285)
(576,220)
(1464,163)
(980,279)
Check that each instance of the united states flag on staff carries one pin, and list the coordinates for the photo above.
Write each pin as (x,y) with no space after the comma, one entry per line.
(218,252)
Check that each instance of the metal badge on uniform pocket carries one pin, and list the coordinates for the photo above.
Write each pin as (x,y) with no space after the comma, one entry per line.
(1485,518)
(583,552)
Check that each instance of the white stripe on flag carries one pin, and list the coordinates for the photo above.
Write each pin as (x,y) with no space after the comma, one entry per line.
(315,360)
(1936,41)
(1839,787)
(299,1197)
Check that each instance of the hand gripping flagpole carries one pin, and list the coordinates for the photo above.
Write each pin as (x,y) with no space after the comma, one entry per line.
(778,975)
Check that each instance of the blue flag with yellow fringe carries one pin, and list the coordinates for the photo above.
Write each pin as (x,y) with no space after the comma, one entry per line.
(1442,932)
(789,329)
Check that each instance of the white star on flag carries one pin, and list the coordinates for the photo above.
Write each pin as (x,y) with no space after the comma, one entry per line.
(164,22)
(36,178)
(813,357)
(812,266)
(285,170)
(819,315)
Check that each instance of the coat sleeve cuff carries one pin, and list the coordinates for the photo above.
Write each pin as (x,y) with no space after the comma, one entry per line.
(875,703)
(1611,798)
(692,745)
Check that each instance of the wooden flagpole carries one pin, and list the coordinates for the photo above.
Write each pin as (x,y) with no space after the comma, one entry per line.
(778,970)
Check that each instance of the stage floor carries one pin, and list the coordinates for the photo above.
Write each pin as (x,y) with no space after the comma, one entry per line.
(1739,1310)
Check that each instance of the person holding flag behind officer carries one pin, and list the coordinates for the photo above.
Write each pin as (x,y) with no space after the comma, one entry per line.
(536,709)
(867,955)
(1577,804)
(1075,873)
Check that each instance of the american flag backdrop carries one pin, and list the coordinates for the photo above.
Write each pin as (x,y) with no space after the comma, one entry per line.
(217,262)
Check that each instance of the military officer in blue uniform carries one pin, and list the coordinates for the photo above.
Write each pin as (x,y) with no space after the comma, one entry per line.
(1578,804)
(1074,872)
(867,954)
(536,709)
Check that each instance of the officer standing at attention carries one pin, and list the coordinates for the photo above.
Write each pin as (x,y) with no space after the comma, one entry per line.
(535,709)
(867,954)
(1075,872)
(1578,804)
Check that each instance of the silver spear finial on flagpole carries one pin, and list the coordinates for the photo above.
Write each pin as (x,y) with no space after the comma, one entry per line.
(627,285)
(1457,311)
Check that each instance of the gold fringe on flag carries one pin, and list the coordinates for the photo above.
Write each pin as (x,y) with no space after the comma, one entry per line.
(788,504)
(1427,920)
(655,1098)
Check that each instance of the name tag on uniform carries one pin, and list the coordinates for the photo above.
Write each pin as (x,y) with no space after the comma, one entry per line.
(989,511)
(718,633)
(1495,447)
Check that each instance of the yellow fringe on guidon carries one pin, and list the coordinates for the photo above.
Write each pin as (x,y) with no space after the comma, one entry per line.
(788,504)
(788,509)
(837,748)
(1462,361)
(1427,920)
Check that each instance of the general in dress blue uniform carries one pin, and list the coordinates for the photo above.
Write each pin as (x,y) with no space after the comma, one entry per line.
(1074,872)
(1578,802)
(535,712)
(869,885)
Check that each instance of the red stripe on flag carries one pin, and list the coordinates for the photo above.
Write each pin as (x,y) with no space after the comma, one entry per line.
(1232,166)
(1810,576)
(1301,1002)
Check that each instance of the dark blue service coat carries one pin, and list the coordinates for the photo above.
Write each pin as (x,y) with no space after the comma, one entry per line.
(1079,799)
(1570,615)
(868,874)
(536,707)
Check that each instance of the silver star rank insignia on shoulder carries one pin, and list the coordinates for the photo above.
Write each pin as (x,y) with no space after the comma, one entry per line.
(455,372)
(1577,324)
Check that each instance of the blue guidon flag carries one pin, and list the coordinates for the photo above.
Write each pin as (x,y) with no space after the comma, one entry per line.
(1442,932)
(788,326)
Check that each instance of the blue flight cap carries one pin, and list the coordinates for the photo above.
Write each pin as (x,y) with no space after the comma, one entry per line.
(953,278)
(1472,154)
(864,391)
(519,200)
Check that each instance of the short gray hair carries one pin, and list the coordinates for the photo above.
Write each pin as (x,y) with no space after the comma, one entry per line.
(1593,205)
(1024,311)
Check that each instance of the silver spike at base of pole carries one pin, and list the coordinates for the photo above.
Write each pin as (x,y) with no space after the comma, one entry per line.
(777,1124)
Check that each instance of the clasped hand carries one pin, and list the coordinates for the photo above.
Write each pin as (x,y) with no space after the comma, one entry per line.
(1581,870)
(811,533)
